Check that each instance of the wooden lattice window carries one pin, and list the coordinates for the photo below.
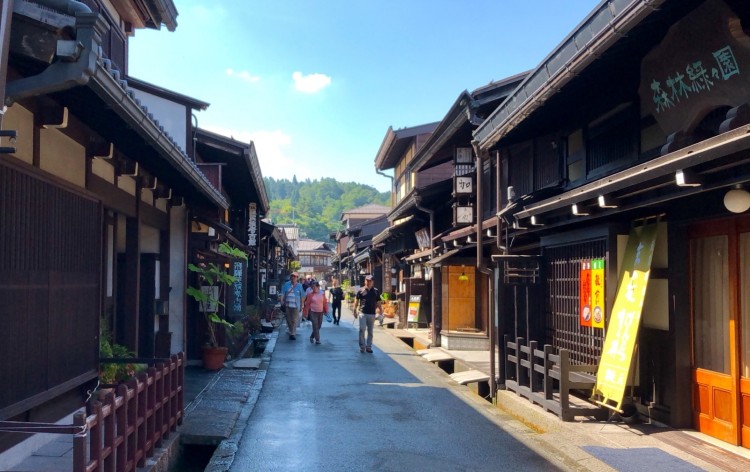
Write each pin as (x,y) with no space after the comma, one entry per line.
(563,328)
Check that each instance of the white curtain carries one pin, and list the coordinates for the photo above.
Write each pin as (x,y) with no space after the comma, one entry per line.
(710,282)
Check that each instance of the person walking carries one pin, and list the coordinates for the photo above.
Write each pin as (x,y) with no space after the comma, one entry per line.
(337,296)
(291,303)
(367,304)
(315,307)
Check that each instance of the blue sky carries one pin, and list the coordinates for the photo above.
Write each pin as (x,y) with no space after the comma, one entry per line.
(316,84)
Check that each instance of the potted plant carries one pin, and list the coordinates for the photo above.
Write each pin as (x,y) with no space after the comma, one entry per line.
(111,373)
(390,305)
(212,280)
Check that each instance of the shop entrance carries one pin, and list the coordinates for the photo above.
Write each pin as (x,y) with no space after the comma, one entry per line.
(720,305)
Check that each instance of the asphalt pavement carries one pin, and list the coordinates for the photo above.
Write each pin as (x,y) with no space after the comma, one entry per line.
(330,407)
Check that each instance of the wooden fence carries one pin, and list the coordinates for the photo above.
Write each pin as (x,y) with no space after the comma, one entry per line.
(546,378)
(124,426)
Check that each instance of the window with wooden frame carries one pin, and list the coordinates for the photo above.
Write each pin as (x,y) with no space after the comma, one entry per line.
(612,140)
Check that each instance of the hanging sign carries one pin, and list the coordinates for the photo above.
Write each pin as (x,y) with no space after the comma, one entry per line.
(598,312)
(619,343)
(584,309)
(413,313)
(252,225)
(238,289)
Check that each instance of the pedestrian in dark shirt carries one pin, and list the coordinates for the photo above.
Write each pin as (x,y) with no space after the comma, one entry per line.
(367,304)
(337,296)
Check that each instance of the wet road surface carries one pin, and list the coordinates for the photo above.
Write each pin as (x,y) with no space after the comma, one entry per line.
(330,407)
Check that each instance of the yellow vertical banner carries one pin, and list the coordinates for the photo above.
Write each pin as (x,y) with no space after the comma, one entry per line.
(619,342)
(598,310)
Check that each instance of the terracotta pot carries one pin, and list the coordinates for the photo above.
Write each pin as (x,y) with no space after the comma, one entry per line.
(213,357)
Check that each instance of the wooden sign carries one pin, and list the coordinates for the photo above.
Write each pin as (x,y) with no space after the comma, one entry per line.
(682,77)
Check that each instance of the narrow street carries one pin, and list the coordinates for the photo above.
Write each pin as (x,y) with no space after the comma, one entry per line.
(330,407)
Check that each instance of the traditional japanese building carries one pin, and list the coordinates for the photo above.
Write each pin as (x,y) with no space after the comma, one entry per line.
(622,175)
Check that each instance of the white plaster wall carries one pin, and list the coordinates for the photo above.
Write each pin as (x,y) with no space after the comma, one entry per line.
(172,116)
(177,270)
(102,168)
(63,157)
(149,240)
(127,184)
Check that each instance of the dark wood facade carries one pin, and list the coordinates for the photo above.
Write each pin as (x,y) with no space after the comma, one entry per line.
(608,143)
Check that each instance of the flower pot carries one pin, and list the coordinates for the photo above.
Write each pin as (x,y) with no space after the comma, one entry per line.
(213,357)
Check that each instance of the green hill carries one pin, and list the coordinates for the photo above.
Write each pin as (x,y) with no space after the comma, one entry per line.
(316,205)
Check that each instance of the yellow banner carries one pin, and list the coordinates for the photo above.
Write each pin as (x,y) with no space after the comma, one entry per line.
(619,343)
(598,310)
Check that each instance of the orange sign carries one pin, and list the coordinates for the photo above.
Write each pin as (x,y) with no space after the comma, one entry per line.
(585,294)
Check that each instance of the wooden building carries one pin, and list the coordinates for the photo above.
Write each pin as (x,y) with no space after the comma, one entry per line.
(98,185)
(631,122)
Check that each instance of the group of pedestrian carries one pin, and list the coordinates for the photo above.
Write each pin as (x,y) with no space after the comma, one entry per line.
(308,301)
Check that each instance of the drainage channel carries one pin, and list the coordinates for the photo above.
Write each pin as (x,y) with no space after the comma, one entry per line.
(192,458)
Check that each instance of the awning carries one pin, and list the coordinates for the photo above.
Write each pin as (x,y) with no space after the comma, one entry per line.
(437,261)
(705,151)
(469,230)
(418,255)
(106,104)
(362,256)
(392,230)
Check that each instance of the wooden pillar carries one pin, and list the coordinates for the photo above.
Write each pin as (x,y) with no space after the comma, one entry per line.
(128,321)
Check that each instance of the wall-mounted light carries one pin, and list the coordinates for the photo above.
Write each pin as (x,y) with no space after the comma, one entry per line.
(578,211)
(393,270)
(517,225)
(686,178)
(605,201)
(737,200)
(463,277)
(536,221)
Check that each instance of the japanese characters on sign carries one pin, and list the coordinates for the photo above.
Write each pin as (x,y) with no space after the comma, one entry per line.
(252,225)
(238,289)
(683,78)
(598,311)
(413,313)
(619,343)
(698,76)
(585,294)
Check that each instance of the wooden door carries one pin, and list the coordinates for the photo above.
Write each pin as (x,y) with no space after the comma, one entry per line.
(720,302)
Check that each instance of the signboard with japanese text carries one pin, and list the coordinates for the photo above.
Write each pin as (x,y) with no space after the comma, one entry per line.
(413,313)
(237,293)
(684,76)
(598,310)
(252,225)
(584,301)
(423,238)
(619,343)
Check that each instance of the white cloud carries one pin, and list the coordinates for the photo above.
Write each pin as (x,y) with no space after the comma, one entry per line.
(243,75)
(311,83)
(272,147)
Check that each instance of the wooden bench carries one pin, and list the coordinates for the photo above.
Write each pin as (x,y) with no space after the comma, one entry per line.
(547,379)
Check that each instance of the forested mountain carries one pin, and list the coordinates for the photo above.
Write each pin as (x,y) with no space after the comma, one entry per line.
(316,205)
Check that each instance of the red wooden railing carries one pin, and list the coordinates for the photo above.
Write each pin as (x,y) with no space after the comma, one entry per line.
(122,428)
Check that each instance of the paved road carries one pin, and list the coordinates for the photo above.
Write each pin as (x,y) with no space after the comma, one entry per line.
(330,407)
